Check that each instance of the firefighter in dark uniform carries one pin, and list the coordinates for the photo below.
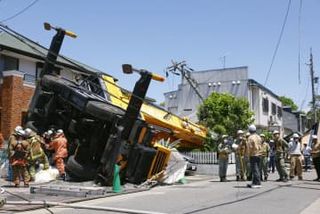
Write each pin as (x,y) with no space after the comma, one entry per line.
(280,149)
(18,153)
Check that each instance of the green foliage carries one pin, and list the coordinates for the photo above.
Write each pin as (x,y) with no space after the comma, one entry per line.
(162,104)
(223,113)
(267,134)
(286,101)
(310,113)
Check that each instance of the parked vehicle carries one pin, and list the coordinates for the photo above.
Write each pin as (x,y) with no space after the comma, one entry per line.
(191,165)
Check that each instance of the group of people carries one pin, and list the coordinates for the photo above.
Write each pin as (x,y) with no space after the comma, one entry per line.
(255,157)
(27,151)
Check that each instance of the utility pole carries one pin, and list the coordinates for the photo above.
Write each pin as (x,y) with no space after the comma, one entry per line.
(181,68)
(313,88)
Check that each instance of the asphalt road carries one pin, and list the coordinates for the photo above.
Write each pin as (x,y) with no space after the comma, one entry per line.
(205,194)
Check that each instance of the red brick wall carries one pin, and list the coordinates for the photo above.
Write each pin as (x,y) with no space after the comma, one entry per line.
(15,99)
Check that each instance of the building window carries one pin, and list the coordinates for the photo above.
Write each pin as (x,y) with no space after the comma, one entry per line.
(273,109)
(279,112)
(265,105)
(10,63)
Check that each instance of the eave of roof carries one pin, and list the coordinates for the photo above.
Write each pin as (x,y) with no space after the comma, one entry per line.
(255,83)
(27,47)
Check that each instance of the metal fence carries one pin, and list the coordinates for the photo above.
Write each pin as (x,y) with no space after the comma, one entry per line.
(207,157)
(28,78)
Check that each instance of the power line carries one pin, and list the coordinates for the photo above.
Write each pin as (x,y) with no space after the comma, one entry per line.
(20,12)
(299,42)
(279,40)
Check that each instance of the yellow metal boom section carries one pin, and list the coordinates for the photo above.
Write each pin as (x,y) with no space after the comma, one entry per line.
(192,135)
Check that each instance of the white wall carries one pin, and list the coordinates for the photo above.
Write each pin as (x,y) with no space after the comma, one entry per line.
(263,118)
(27,66)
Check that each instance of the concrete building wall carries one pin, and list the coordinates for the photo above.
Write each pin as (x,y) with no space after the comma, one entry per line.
(290,123)
(185,101)
(235,81)
(265,117)
(27,66)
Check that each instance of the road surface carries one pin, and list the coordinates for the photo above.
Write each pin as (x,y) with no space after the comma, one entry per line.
(205,194)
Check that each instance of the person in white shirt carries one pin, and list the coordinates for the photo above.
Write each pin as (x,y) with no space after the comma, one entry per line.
(295,153)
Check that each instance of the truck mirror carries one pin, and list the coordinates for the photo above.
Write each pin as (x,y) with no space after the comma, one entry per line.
(127,69)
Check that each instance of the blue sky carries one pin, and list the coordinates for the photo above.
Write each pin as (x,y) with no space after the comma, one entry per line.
(148,34)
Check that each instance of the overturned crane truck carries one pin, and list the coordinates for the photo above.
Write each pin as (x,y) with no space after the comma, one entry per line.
(100,131)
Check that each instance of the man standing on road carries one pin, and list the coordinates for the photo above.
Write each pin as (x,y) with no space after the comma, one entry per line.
(254,143)
(18,152)
(272,154)
(280,148)
(59,146)
(295,157)
(306,151)
(36,154)
(224,151)
(247,159)
(315,152)
(265,149)
(236,146)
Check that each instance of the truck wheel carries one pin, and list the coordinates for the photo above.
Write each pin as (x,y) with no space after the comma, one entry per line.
(85,172)
(103,111)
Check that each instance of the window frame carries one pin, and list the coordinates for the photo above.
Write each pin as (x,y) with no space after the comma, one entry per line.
(265,105)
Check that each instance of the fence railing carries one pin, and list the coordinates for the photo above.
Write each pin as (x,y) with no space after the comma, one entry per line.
(29,78)
(207,157)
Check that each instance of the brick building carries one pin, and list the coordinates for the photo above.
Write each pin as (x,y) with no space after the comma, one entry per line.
(21,61)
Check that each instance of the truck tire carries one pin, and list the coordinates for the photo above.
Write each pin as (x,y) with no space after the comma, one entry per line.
(103,111)
(84,172)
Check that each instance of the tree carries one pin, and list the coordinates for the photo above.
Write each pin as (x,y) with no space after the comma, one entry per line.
(310,113)
(286,101)
(223,113)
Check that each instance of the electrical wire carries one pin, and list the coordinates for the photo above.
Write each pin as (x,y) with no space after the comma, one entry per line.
(305,96)
(278,42)
(20,12)
(299,42)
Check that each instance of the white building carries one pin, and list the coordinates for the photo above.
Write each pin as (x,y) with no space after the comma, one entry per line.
(263,102)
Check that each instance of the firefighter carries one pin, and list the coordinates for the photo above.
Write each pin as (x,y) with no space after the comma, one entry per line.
(224,151)
(315,152)
(247,158)
(254,147)
(59,146)
(272,155)
(239,147)
(36,155)
(280,150)
(265,149)
(18,152)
